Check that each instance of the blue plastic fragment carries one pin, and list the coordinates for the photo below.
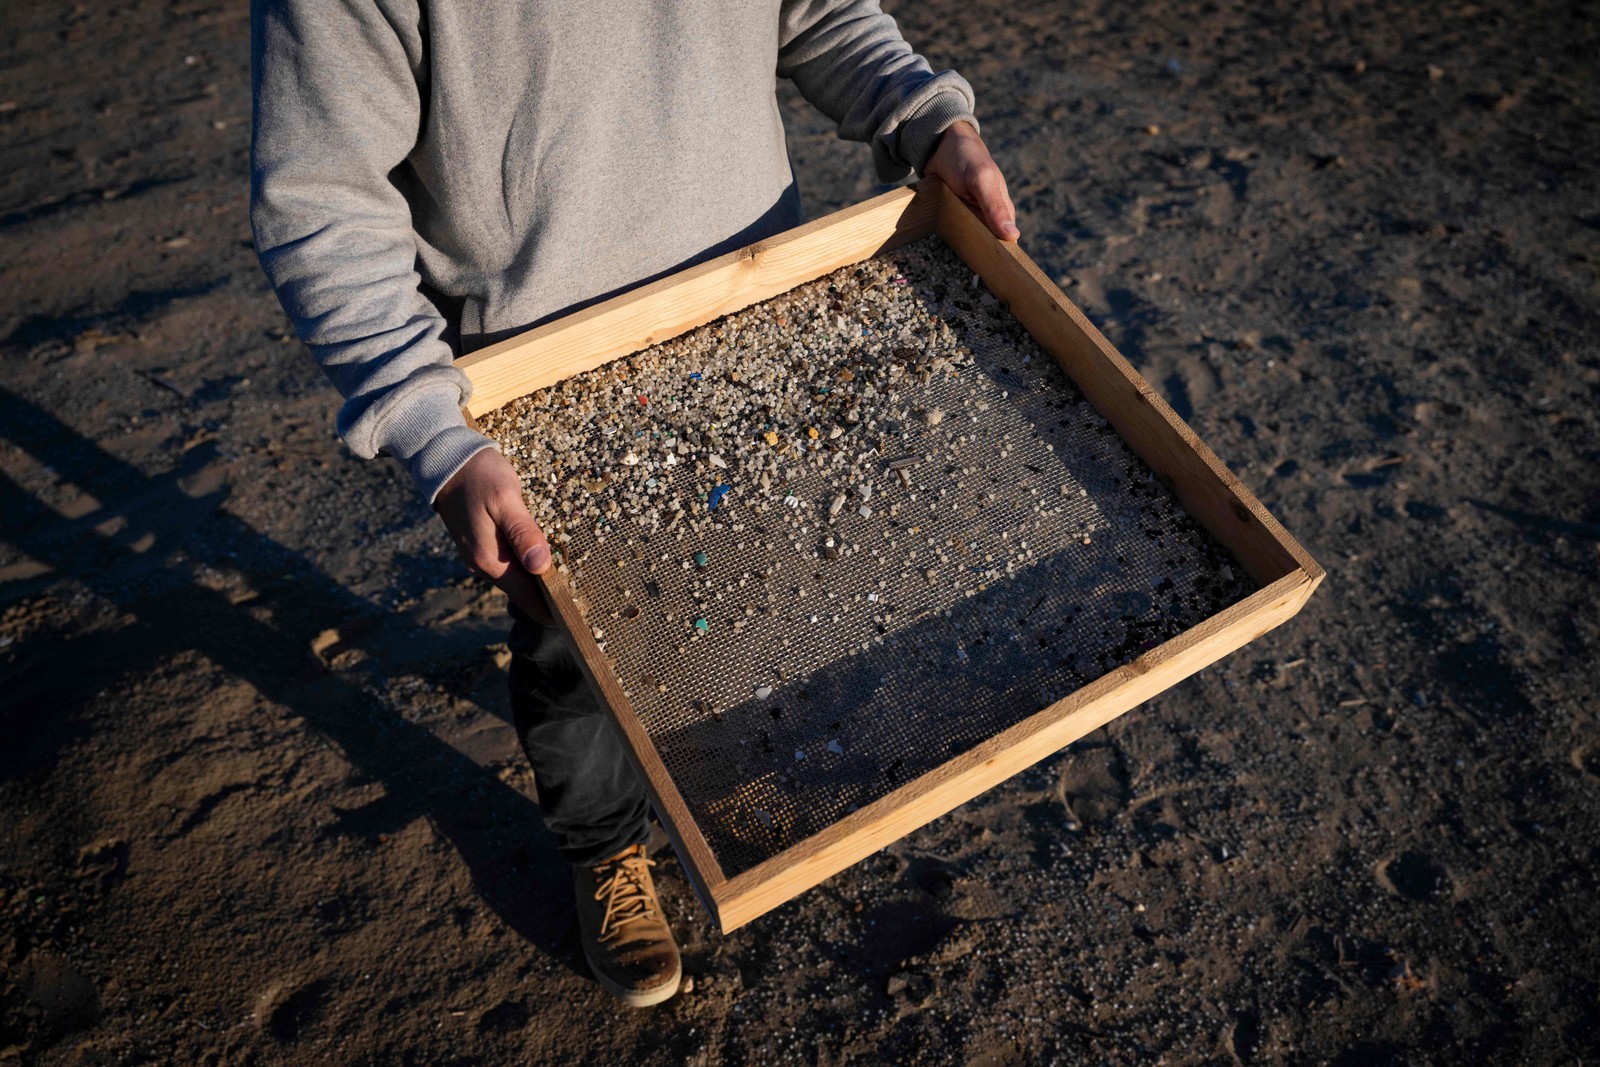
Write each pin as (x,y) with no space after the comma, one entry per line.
(694,376)
(716,496)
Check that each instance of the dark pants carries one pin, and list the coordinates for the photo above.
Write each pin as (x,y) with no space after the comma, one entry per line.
(591,799)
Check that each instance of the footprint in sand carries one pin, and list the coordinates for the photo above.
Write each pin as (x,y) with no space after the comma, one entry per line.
(66,997)
(1243,1037)
(1093,785)
(104,863)
(506,1017)
(288,1009)
(1414,876)
(1189,386)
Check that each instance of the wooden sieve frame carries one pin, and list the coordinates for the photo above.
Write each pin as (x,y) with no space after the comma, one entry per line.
(670,306)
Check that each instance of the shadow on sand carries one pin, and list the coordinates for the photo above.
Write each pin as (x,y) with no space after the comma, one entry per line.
(127,551)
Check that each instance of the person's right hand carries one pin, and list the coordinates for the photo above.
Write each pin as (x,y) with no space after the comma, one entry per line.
(483,509)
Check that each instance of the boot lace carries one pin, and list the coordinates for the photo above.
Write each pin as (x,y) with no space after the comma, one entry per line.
(622,884)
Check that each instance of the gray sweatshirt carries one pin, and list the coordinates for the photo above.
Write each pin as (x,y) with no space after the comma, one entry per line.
(429,176)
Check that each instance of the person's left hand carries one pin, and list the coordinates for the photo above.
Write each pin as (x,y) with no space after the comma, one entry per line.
(961,160)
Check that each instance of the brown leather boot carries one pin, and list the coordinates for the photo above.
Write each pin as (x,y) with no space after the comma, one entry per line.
(625,936)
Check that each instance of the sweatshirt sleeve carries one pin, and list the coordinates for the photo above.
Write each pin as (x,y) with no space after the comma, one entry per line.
(337,108)
(847,57)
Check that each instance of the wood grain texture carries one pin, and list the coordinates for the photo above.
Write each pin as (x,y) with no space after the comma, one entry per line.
(676,304)
(1194,474)
(762,888)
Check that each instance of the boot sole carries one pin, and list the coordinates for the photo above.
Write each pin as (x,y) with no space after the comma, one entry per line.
(636,998)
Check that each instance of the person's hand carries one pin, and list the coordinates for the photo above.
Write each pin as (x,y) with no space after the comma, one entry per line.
(961,160)
(482,507)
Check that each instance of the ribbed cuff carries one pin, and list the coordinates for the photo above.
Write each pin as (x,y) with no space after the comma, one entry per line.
(430,436)
(921,131)
(447,453)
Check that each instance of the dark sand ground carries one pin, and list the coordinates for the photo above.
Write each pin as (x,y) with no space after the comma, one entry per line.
(258,801)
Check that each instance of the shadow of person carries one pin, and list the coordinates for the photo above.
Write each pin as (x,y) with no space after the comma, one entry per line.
(764,772)
(123,545)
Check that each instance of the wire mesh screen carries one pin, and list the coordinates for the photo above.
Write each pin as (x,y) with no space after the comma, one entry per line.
(835,539)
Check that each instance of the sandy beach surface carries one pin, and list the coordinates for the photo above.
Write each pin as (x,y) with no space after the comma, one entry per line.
(259,800)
